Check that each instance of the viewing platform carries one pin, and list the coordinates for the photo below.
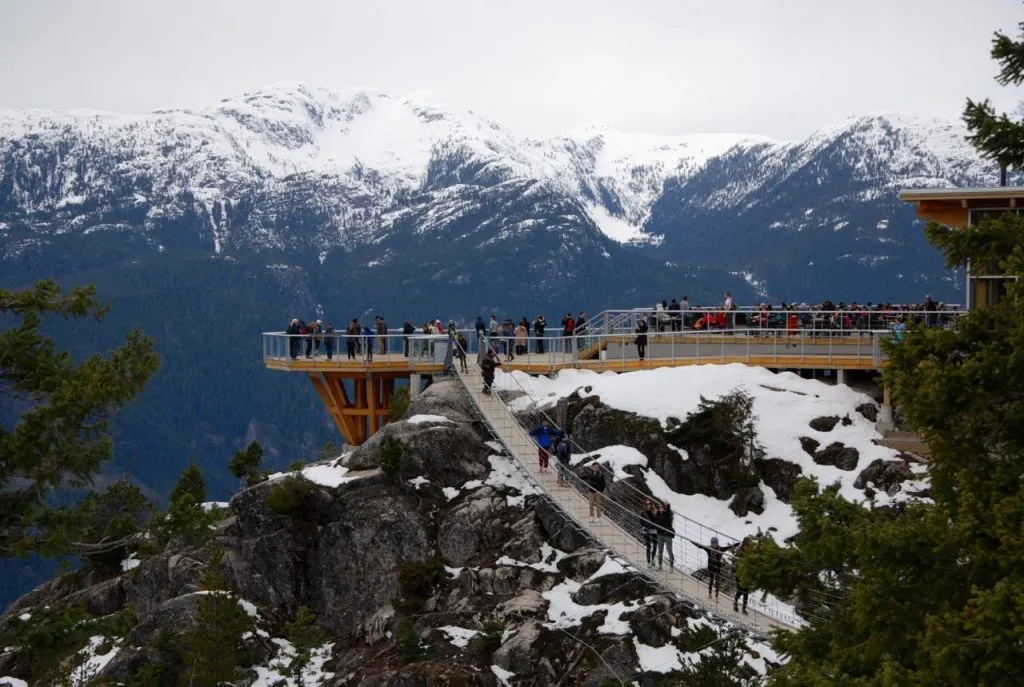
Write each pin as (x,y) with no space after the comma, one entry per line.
(357,387)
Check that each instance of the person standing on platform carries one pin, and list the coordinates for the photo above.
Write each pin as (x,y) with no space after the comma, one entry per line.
(641,339)
(294,331)
(368,336)
(382,334)
(521,335)
(329,340)
(545,435)
(539,325)
(408,329)
(352,338)
(596,483)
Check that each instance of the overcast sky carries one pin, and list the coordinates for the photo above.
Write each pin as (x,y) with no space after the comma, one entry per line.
(776,67)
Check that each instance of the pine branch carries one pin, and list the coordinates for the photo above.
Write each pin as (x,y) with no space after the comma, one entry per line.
(1010,56)
(996,137)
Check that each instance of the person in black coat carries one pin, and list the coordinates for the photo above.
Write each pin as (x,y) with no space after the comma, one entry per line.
(595,481)
(539,325)
(487,367)
(716,557)
(408,329)
(649,529)
(294,331)
(641,339)
(666,533)
(741,591)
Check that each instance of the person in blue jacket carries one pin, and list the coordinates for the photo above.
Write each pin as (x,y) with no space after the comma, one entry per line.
(546,435)
(368,336)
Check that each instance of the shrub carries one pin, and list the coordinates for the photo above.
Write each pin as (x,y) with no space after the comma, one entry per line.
(290,496)
(305,635)
(410,647)
(246,465)
(392,456)
(487,642)
(296,466)
(398,406)
(417,581)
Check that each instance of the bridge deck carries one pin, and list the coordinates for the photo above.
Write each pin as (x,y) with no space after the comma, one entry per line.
(515,438)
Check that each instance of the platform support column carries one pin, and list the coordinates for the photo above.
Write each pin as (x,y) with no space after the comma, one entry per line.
(840,376)
(885,417)
(415,384)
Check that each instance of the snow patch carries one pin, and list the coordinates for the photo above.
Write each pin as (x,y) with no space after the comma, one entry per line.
(432,419)
(459,636)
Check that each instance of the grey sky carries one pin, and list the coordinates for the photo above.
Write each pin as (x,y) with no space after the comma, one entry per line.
(776,67)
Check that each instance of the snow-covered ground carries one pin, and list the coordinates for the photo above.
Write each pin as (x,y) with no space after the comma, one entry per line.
(784,405)
(328,474)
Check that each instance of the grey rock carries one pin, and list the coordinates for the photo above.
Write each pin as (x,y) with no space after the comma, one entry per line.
(528,603)
(164,577)
(886,475)
(178,614)
(838,454)
(470,525)
(652,624)
(517,654)
(780,475)
(582,563)
(562,531)
(746,500)
(610,589)
(103,598)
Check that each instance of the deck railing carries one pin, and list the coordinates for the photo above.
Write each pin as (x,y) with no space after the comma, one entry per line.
(804,347)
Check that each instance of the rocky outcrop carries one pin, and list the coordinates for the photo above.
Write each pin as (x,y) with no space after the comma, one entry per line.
(869,411)
(886,475)
(367,558)
(826,423)
(746,500)
(780,475)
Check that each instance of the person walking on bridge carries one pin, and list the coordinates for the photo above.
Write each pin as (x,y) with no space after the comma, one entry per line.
(741,591)
(487,368)
(649,530)
(596,483)
(546,435)
(716,556)
(665,520)
(563,454)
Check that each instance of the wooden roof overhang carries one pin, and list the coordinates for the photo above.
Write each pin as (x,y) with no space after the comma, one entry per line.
(951,206)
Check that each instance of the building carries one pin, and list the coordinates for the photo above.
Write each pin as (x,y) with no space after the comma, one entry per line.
(962,208)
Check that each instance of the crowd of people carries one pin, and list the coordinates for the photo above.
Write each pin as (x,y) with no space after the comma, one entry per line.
(516,338)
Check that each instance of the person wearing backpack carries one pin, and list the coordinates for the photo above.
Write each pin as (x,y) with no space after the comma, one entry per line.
(649,529)
(545,435)
(329,340)
(596,483)
(741,591)
(563,453)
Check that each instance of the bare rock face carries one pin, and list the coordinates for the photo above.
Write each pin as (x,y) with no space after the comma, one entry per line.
(517,654)
(809,445)
(780,475)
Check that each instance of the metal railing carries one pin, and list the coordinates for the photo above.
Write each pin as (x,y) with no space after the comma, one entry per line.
(618,351)
(622,504)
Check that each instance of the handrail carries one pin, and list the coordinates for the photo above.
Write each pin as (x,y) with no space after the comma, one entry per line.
(629,520)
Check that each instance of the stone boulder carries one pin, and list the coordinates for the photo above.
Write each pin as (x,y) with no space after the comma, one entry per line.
(583,563)
(886,475)
(611,589)
(448,454)
(446,398)
(746,500)
(869,411)
(809,445)
(839,455)
(529,603)
(652,624)
(779,475)
(180,613)
(825,423)
(518,654)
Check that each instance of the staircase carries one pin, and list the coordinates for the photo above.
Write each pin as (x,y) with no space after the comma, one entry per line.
(517,441)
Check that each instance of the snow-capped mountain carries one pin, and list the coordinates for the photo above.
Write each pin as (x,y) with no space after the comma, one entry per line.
(207,226)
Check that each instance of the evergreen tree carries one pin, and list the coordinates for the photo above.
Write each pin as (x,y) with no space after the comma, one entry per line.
(933,594)
(56,437)
(247,465)
(191,485)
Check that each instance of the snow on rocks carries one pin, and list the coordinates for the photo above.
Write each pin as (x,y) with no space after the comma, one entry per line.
(130,563)
(564,613)
(459,636)
(784,406)
(92,661)
(429,419)
(504,676)
(277,672)
(15,682)
(207,506)
(549,558)
(328,474)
